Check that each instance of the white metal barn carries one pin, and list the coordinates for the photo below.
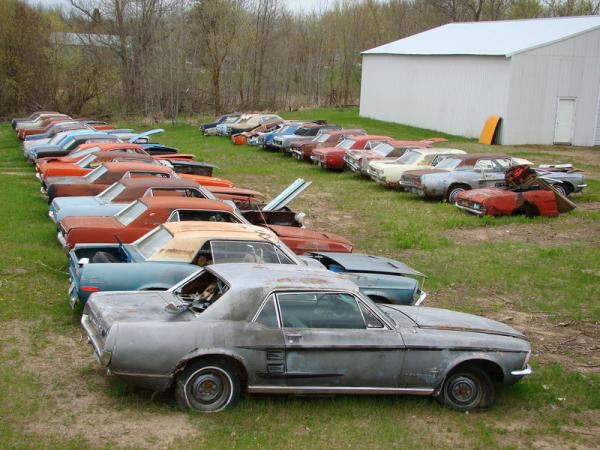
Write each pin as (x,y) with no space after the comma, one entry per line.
(542,76)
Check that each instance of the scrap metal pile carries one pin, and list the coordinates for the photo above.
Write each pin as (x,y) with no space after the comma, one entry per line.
(194,285)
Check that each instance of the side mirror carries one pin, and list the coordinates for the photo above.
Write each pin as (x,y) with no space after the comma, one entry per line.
(175,309)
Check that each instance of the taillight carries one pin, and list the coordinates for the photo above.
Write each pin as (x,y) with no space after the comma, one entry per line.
(89,288)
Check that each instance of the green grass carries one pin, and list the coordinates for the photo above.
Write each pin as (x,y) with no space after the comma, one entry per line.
(540,273)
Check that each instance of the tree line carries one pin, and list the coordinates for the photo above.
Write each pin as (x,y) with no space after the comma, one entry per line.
(162,58)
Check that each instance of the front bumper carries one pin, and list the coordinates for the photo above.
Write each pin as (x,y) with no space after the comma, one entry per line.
(62,240)
(479,212)
(421,299)
(352,164)
(413,189)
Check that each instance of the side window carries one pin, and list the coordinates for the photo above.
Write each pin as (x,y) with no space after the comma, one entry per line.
(320,310)
(146,174)
(484,164)
(268,314)
(371,320)
(205,216)
(502,164)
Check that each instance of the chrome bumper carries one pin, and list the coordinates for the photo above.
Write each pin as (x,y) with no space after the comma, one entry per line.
(519,373)
(44,192)
(61,239)
(422,297)
(85,322)
(479,212)
(352,164)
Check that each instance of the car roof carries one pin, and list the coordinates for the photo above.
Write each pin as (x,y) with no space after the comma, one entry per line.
(133,165)
(186,202)
(270,277)
(188,237)
(350,132)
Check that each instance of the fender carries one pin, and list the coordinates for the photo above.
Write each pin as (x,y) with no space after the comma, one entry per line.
(214,351)
(465,358)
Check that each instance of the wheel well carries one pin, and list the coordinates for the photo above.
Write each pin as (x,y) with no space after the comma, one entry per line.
(568,186)
(379,299)
(493,370)
(239,367)
(453,185)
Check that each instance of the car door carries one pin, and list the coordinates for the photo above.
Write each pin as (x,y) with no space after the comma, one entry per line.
(490,171)
(333,340)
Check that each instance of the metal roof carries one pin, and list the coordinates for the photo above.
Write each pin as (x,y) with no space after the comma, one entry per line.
(498,38)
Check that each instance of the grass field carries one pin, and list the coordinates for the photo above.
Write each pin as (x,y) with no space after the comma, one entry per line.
(539,275)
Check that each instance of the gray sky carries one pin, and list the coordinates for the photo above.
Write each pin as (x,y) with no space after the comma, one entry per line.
(293,5)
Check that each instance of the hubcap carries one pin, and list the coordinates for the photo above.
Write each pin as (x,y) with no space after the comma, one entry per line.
(207,387)
(454,194)
(463,390)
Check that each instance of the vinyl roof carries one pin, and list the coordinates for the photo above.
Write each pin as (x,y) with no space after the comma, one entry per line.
(497,38)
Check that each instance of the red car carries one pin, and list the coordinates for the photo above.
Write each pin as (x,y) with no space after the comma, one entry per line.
(332,158)
(303,149)
(525,194)
(141,216)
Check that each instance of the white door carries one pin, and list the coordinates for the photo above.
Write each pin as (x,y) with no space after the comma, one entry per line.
(563,128)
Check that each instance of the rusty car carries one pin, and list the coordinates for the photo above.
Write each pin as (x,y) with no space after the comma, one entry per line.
(303,149)
(524,193)
(389,173)
(307,132)
(459,173)
(332,158)
(285,329)
(358,160)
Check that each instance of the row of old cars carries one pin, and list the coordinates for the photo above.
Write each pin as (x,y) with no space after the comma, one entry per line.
(480,183)
(194,285)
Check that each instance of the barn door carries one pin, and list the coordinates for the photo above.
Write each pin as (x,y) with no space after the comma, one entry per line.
(565,115)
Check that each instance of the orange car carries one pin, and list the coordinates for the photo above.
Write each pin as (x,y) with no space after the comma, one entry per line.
(96,147)
(201,173)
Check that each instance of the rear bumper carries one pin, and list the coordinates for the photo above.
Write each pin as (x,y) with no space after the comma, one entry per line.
(520,373)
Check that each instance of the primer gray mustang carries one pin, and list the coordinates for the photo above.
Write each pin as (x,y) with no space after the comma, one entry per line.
(295,330)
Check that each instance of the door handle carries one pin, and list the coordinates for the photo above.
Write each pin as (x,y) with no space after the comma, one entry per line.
(293,337)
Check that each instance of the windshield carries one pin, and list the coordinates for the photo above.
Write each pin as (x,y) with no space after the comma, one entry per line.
(96,173)
(346,144)
(148,244)
(322,138)
(383,149)
(86,160)
(85,151)
(410,157)
(110,193)
(131,212)
(246,251)
(448,163)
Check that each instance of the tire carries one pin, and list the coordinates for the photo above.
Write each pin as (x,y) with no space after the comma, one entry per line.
(562,189)
(207,386)
(453,193)
(467,388)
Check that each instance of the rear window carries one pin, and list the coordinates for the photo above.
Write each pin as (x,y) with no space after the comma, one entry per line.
(148,244)
(96,173)
(131,212)
(110,193)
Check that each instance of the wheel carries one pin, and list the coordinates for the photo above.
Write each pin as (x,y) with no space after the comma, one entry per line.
(453,193)
(561,188)
(207,386)
(467,388)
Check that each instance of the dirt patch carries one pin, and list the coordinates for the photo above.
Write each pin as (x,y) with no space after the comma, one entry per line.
(76,402)
(551,234)
(573,344)
(589,206)
(21,174)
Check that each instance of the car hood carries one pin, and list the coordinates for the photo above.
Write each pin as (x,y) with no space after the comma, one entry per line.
(109,308)
(325,150)
(481,195)
(444,319)
(60,203)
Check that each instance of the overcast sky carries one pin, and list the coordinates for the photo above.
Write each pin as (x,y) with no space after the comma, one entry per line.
(294,5)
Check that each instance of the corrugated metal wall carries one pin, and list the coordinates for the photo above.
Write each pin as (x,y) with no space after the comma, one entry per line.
(539,77)
(454,94)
